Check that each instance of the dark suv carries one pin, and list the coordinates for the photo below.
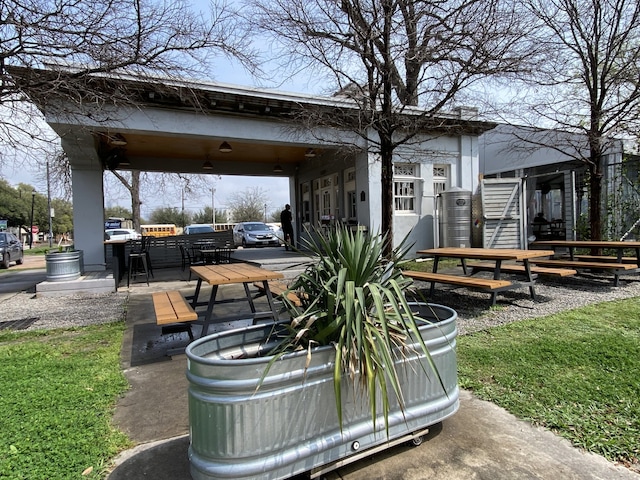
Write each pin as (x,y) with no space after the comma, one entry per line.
(10,250)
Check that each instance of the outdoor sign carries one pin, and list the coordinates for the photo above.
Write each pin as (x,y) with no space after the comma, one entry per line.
(112,223)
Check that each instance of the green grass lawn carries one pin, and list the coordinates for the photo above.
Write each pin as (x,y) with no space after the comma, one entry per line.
(41,250)
(576,373)
(57,394)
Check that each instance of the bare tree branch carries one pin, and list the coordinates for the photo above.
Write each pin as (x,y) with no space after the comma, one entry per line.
(80,40)
(588,83)
(389,56)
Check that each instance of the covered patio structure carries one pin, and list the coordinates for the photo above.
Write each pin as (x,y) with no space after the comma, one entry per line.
(187,127)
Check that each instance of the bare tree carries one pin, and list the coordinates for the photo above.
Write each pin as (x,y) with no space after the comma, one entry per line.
(386,55)
(141,185)
(248,205)
(588,84)
(77,40)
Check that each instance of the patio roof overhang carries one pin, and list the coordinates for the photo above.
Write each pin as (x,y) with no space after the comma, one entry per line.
(178,126)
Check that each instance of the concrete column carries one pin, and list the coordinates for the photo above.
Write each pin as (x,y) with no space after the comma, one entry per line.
(369,181)
(88,213)
(468,171)
(88,199)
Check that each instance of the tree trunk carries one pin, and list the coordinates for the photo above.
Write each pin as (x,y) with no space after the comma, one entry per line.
(595,193)
(135,199)
(386,157)
(134,190)
(385,128)
(595,178)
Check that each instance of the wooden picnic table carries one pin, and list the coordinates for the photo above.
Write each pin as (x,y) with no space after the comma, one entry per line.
(617,264)
(571,245)
(229,274)
(495,255)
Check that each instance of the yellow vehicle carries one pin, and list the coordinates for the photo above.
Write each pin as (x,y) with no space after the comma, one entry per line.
(160,230)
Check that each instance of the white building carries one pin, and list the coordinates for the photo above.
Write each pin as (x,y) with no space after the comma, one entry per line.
(223,129)
(550,164)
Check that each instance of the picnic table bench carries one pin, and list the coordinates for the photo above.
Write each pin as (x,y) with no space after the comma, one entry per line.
(612,267)
(173,311)
(494,256)
(605,258)
(489,284)
(278,289)
(521,269)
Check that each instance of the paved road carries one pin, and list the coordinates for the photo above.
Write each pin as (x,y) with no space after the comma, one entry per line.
(22,278)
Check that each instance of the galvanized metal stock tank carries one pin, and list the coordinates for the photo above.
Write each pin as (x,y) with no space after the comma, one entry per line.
(454,213)
(289,424)
(64,266)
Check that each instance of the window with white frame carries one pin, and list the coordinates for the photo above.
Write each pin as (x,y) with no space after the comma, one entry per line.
(405,182)
(440,178)
(350,194)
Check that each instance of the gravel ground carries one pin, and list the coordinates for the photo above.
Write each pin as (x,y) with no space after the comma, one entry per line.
(552,296)
(474,310)
(36,313)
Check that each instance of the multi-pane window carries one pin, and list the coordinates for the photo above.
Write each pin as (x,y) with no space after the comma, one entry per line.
(440,178)
(326,197)
(351,208)
(352,211)
(405,180)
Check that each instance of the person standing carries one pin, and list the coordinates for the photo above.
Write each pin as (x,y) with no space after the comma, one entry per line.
(286,221)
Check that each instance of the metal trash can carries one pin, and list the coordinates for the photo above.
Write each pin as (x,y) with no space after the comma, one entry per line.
(64,266)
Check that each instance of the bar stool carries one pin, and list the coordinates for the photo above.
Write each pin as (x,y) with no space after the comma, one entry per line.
(139,260)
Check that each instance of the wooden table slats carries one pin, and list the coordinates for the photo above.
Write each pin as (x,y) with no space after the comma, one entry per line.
(228,274)
(586,265)
(615,244)
(233,273)
(615,265)
(484,283)
(485,253)
(497,255)
(171,307)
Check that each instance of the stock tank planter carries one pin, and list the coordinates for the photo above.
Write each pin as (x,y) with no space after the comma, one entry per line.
(289,425)
(64,266)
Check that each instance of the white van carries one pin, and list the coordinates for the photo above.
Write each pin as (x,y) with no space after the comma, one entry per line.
(198,228)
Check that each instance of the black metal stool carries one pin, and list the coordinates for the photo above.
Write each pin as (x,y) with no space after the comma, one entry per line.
(139,261)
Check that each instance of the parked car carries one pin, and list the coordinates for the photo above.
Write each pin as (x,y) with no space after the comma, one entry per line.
(198,228)
(122,234)
(10,250)
(277,230)
(254,234)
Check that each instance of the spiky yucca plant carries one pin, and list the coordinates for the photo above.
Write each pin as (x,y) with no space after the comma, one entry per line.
(354,299)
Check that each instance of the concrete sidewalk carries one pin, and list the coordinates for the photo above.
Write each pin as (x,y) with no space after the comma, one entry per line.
(480,441)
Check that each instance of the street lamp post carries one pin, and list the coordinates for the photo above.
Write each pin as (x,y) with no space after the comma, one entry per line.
(33,197)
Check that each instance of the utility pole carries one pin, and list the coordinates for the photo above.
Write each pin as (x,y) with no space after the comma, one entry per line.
(182,219)
(49,207)
(33,198)
(213,209)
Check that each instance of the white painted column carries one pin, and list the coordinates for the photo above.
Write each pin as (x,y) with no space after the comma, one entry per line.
(372,205)
(469,163)
(88,200)
(88,213)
